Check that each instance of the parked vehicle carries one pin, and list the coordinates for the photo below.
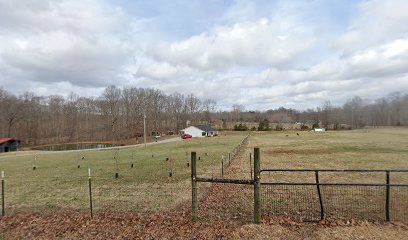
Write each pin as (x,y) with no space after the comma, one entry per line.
(185,136)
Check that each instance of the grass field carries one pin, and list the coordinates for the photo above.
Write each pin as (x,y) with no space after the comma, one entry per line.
(58,183)
(373,149)
(146,196)
(377,148)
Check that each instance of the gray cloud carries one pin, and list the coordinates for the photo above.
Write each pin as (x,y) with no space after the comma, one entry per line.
(64,41)
(54,47)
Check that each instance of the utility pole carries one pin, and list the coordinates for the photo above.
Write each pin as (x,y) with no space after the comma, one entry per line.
(352,117)
(144,129)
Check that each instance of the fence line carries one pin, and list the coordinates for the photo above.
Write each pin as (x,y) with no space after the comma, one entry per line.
(255,182)
(387,185)
(386,201)
(233,154)
(114,190)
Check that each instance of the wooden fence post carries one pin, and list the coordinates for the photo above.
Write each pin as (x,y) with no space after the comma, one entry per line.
(2,194)
(194,202)
(257,186)
(387,197)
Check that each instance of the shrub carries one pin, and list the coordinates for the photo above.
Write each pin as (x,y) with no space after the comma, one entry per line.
(240,127)
(304,127)
(264,125)
(279,127)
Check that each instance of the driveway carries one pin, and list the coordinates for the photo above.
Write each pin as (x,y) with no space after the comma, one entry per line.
(27,153)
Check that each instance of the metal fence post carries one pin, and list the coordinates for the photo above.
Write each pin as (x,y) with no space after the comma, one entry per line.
(170,166)
(90,191)
(257,186)
(222,167)
(320,196)
(2,194)
(229,159)
(250,162)
(194,202)
(387,196)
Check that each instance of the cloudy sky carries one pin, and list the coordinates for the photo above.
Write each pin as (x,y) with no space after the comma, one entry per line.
(262,54)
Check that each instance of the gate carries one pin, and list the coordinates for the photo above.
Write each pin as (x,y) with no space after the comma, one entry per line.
(317,200)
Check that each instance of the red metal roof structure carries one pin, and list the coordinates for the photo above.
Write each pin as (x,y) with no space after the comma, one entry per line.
(3,140)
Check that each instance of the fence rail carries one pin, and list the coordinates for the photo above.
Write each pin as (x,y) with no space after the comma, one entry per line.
(331,170)
(376,196)
(319,200)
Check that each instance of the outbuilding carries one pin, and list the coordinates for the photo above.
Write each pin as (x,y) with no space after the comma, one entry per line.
(9,144)
(199,131)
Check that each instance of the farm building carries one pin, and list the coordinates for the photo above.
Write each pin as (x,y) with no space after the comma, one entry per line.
(199,131)
(9,144)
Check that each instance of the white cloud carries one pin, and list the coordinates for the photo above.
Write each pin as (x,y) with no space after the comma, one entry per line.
(80,42)
(242,44)
(377,22)
(254,54)
(162,71)
(385,60)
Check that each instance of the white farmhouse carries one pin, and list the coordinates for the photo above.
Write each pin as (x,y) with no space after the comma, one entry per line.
(199,131)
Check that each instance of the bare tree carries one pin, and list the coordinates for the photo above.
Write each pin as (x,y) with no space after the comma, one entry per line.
(209,106)
(110,106)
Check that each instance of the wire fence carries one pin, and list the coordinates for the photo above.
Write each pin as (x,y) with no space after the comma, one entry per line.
(121,182)
(316,201)
(374,195)
(126,194)
(226,202)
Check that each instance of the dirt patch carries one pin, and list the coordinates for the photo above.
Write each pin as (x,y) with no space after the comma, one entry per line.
(315,231)
(111,226)
(178,225)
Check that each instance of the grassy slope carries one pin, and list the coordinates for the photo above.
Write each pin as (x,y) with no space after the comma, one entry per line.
(58,183)
(383,148)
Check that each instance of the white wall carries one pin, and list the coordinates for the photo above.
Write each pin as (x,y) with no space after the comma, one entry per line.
(193,131)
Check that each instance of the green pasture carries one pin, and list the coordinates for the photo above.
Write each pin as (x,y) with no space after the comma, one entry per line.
(58,183)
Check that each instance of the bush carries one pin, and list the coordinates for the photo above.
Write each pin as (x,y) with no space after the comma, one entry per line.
(240,127)
(264,125)
(253,128)
(304,127)
(315,125)
(279,127)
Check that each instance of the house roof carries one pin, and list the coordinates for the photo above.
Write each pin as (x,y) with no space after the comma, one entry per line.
(205,128)
(3,140)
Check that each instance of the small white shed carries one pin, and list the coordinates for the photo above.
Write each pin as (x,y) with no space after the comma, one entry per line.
(199,131)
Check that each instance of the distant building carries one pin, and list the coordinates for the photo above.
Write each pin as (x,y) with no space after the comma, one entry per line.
(199,131)
(9,144)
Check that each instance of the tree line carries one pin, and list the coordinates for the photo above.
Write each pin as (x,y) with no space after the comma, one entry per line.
(118,113)
(391,110)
